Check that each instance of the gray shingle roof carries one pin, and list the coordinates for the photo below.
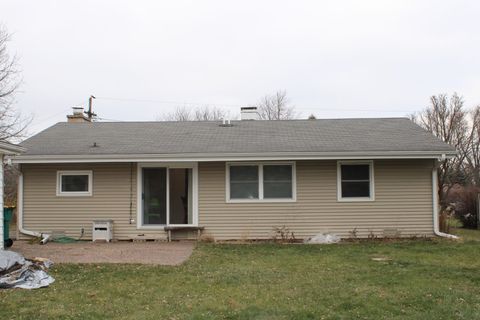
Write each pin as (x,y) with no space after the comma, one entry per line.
(332,135)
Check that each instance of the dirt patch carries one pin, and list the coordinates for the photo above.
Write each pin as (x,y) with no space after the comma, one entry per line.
(160,253)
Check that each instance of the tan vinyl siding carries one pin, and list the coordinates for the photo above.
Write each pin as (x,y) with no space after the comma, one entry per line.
(403,200)
(114,187)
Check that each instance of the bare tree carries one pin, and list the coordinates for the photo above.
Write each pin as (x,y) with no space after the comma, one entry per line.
(209,114)
(200,114)
(12,123)
(473,151)
(179,114)
(447,119)
(11,174)
(276,107)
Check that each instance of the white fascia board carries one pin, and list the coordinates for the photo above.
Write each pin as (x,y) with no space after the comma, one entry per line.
(232,157)
(11,149)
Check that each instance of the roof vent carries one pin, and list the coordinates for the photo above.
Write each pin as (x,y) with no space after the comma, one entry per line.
(226,123)
(249,113)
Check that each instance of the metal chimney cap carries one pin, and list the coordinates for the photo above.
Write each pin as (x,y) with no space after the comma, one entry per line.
(77,110)
(249,113)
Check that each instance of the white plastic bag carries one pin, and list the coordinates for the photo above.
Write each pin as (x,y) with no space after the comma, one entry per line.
(323,238)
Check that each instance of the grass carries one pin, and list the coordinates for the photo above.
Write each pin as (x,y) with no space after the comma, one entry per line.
(419,279)
(466,234)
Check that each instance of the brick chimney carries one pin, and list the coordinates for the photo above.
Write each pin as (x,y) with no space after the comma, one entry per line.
(77,116)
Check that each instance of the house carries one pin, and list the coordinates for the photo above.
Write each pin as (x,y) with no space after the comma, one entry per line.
(235,180)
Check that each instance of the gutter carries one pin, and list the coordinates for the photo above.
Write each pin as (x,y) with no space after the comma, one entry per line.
(45,237)
(205,157)
(436,228)
(11,149)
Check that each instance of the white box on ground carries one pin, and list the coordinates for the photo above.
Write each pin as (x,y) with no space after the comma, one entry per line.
(102,230)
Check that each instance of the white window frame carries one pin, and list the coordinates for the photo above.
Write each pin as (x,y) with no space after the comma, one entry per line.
(260,182)
(339,181)
(167,166)
(61,193)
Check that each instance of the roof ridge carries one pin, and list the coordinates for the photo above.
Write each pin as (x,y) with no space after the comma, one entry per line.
(237,120)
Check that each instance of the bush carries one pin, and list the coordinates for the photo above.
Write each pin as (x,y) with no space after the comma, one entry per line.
(283,234)
(464,203)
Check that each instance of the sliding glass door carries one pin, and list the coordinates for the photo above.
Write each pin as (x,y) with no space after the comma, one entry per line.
(180,197)
(154,196)
(167,196)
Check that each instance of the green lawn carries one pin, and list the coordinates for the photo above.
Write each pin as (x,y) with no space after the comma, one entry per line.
(419,279)
(467,234)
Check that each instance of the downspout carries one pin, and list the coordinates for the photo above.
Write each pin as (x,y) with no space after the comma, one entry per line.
(43,236)
(436,228)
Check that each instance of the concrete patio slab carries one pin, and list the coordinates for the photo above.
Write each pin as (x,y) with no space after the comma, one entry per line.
(159,253)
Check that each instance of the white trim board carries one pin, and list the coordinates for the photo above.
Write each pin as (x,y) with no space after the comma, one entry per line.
(10,148)
(61,193)
(167,165)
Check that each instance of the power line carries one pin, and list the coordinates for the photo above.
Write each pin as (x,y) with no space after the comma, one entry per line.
(107,119)
(221,105)
(172,102)
(49,117)
(192,105)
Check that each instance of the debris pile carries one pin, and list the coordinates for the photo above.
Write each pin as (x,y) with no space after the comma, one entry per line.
(324,238)
(18,272)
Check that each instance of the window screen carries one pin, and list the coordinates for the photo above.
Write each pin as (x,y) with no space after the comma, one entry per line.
(75,183)
(243,182)
(355,180)
(277,181)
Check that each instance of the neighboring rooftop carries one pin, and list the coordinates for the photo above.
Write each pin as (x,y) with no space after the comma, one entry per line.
(243,137)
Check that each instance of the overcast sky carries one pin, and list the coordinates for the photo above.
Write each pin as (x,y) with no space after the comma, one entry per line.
(334,58)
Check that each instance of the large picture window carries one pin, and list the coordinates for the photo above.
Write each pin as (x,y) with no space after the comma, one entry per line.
(260,182)
(74,183)
(355,181)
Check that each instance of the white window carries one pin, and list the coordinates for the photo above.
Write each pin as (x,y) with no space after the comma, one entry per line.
(355,181)
(269,182)
(74,183)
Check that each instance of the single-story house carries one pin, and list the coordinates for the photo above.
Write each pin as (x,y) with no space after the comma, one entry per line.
(233,179)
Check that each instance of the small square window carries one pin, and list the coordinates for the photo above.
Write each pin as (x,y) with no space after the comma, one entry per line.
(355,181)
(74,183)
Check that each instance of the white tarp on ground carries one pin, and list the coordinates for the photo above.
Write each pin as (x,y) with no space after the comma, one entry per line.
(324,238)
(18,272)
